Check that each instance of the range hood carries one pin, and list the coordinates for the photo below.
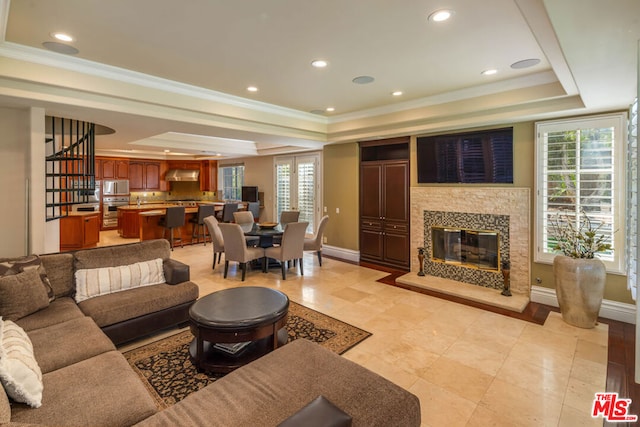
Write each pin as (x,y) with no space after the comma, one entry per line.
(182,175)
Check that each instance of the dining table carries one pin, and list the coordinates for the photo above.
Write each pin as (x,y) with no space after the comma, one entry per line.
(265,233)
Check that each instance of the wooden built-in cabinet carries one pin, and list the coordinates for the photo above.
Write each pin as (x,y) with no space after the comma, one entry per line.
(208,175)
(145,175)
(111,168)
(384,202)
(79,231)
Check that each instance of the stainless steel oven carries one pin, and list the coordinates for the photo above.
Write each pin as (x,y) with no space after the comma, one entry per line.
(110,210)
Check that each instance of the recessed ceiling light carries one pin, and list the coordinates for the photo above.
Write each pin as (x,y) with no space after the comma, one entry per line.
(396,93)
(363,80)
(331,109)
(62,37)
(525,63)
(440,15)
(252,89)
(489,72)
(319,63)
(167,151)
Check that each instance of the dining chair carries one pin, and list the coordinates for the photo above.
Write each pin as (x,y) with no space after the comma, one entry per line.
(245,220)
(216,238)
(291,249)
(285,218)
(226,215)
(198,223)
(315,243)
(235,248)
(173,218)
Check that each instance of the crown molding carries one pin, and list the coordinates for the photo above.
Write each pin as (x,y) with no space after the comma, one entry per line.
(84,66)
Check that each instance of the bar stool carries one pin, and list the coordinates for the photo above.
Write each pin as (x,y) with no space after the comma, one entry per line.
(174,218)
(226,215)
(198,223)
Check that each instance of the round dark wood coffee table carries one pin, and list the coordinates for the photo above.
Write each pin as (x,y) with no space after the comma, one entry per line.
(235,326)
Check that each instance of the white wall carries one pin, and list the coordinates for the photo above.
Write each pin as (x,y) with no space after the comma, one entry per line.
(22,216)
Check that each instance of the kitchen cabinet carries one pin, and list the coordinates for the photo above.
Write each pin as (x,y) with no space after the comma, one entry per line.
(208,175)
(79,231)
(144,175)
(384,203)
(111,168)
(183,164)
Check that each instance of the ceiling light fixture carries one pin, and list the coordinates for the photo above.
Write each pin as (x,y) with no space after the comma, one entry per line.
(167,151)
(440,15)
(62,37)
(252,89)
(61,48)
(396,93)
(489,72)
(319,63)
(331,109)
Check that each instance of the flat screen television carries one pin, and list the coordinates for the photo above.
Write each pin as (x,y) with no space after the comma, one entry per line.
(474,157)
(249,194)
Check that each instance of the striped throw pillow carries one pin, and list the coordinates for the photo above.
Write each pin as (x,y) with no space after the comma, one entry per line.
(102,281)
(19,371)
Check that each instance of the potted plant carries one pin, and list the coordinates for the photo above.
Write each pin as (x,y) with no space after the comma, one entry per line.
(579,275)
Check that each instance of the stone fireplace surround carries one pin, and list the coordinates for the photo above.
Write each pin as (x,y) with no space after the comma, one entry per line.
(497,202)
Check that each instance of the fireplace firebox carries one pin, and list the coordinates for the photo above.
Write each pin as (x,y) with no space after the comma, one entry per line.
(466,247)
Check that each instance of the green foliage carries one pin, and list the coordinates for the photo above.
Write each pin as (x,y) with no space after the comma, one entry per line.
(581,242)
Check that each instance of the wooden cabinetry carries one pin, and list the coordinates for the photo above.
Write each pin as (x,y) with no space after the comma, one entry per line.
(208,175)
(384,202)
(111,168)
(79,231)
(144,175)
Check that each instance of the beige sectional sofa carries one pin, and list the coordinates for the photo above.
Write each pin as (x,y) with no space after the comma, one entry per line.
(87,382)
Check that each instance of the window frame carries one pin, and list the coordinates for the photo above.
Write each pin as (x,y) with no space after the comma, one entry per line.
(221,181)
(618,121)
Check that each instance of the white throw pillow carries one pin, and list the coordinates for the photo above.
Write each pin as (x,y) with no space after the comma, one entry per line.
(101,281)
(19,371)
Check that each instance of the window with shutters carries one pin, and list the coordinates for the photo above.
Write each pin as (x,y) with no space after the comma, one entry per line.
(580,170)
(231,177)
(298,187)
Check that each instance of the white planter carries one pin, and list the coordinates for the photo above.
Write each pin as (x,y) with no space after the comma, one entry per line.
(580,288)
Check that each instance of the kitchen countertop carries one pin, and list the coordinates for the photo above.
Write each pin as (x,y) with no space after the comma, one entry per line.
(84,213)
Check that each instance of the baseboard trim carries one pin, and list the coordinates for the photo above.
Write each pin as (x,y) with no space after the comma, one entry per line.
(342,253)
(609,310)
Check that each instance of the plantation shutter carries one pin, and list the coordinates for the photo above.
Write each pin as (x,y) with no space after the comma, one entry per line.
(577,175)
(232,179)
(306,192)
(283,188)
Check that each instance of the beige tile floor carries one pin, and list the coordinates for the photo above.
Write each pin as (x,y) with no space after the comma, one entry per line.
(469,367)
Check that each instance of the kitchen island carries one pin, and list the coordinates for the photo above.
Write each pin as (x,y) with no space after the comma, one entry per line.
(143,221)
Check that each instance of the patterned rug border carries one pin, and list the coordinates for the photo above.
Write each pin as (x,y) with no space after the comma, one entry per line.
(335,335)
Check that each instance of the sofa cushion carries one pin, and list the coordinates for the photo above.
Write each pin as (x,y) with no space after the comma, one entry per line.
(18,265)
(19,372)
(5,407)
(100,391)
(94,282)
(114,256)
(22,294)
(60,272)
(66,338)
(113,308)
(275,386)
(59,310)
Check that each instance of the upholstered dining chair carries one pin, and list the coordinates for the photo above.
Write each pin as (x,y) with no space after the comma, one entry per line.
(173,218)
(235,248)
(245,220)
(254,208)
(315,243)
(291,248)
(285,218)
(216,238)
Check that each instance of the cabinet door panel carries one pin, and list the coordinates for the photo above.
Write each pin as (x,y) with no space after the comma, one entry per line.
(136,171)
(396,192)
(152,176)
(370,191)
(371,244)
(396,248)
(91,230)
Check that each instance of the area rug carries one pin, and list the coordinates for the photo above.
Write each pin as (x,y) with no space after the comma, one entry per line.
(167,372)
